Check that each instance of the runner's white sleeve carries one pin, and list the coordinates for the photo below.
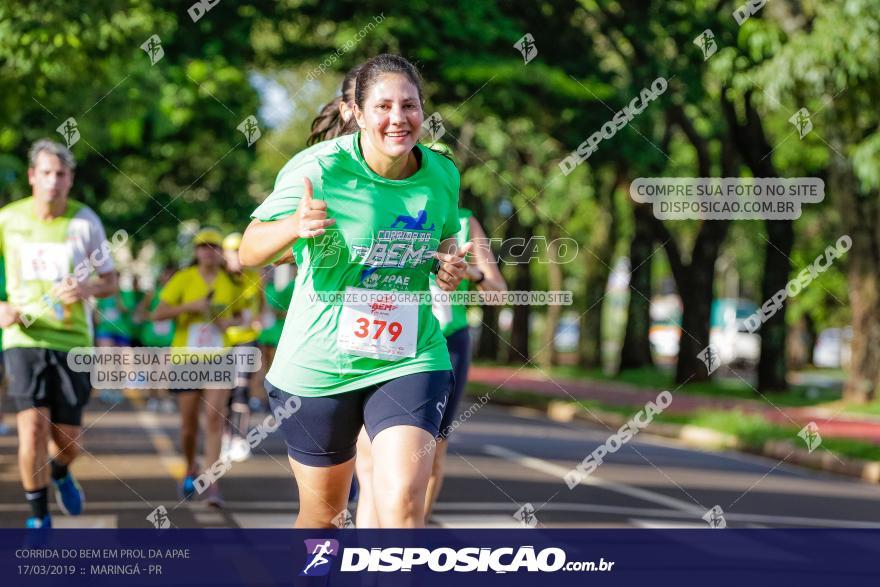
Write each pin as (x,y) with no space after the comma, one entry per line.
(96,246)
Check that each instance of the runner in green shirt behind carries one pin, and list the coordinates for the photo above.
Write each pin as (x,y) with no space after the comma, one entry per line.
(112,329)
(130,296)
(156,333)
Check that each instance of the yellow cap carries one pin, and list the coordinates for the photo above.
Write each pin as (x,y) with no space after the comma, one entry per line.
(232,241)
(208,236)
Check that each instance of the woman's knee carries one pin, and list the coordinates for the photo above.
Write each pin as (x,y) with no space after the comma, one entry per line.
(364,464)
(403,500)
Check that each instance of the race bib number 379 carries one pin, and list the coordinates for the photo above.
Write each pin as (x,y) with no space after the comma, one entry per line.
(371,326)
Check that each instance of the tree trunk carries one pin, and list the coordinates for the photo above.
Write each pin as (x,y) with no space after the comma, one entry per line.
(636,350)
(590,347)
(488,346)
(751,140)
(695,281)
(549,355)
(809,337)
(777,266)
(697,293)
(489,342)
(860,214)
(696,309)
(602,242)
(799,344)
(518,351)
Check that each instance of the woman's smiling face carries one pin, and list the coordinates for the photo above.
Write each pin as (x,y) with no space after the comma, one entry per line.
(391,120)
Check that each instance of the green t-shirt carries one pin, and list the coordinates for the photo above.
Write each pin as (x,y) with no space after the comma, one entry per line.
(278,301)
(453,317)
(112,318)
(158,333)
(41,254)
(384,238)
(130,300)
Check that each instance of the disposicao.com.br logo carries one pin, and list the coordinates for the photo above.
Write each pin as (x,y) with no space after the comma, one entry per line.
(443,559)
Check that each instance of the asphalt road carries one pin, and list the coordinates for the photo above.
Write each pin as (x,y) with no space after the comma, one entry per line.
(502,461)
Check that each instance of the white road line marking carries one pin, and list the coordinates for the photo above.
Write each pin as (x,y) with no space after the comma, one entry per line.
(285,521)
(209,518)
(471,521)
(99,521)
(162,442)
(559,472)
(661,525)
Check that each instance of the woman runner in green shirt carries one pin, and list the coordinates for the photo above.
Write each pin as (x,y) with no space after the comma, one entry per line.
(391,207)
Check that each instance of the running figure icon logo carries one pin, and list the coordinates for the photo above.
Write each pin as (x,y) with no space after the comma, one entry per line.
(706,43)
(526,516)
(250,129)
(710,358)
(70,131)
(153,48)
(715,518)
(434,126)
(413,222)
(319,552)
(526,46)
(810,435)
(159,518)
(801,121)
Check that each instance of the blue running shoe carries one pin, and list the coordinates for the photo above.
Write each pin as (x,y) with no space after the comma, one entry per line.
(69,495)
(35,522)
(188,488)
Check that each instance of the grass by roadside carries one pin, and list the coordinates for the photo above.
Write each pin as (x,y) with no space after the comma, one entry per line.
(654,378)
(751,430)
(799,395)
(871,409)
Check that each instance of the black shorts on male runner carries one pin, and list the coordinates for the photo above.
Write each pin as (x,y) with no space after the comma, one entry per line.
(41,378)
(324,430)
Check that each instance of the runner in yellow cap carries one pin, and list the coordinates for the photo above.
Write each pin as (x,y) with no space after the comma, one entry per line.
(201,300)
(243,333)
